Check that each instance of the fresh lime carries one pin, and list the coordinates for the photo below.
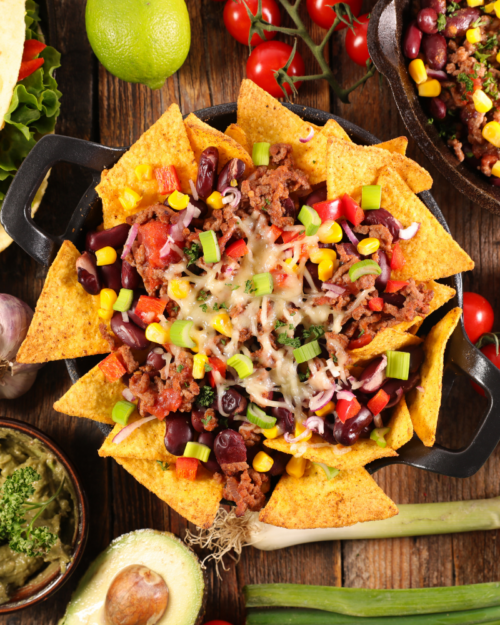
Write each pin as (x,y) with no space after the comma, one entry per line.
(142,41)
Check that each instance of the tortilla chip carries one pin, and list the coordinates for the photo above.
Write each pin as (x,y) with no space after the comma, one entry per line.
(432,253)
(202,136)
(65,324)
(239,135)
(197,501)
(165,143)
(398,145)
(401,426)
(145,443)
(350,166)
(314,501)
(424,407)
(92,397)
(391,338)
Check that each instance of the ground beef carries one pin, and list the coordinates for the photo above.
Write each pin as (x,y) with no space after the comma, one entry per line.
(180,378)
(336,345)
(158,211)
(377,232)
(250,434)
(127,358)
(210,421)
(281,154)
(111,339)
(233,468)
(457,148)
(247,491)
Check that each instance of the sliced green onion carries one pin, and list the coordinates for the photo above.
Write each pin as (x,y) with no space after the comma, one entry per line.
(371,197)
(258,417)
(197,450)
(210,245)
(242,364)
(307,352)
(260,154)
(122,411)
(263,284)
(330,472)
(363,268)
(398,365)
(179,334)
(124,300)
(378,435)
(311,220)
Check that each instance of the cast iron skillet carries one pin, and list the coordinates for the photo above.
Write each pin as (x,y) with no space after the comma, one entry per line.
(388,21)
(461,356)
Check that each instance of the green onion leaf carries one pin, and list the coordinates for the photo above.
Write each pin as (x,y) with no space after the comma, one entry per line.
(197,450)
(363,268)
(263,284)
(242,364)
(179,334)
(122,411)
(311,220)
(258,417)
(378,435)
(260,154)
(398,365)
(124,301)
(210,245)
(371,197)
(307,352)
(330,472)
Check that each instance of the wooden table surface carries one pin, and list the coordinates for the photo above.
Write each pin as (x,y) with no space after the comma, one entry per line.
(101,108)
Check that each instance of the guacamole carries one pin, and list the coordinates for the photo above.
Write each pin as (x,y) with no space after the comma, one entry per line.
(17,451)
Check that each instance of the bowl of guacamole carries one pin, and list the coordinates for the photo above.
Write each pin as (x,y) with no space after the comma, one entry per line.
(43,516)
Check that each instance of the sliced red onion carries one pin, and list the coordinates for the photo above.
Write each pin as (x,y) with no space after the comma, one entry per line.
(309,136)
(315,424)
(320,400)
(166,248)
(355,384)
(421,389)
(397,399)
(290,439)
(128,395)
(350,234)
(125,317)
(377,419)
(193,190)
(232,196)
(410,232)
(127,430)
(191,212)
(374,375)
(345,395)
(132,234)
(335,288)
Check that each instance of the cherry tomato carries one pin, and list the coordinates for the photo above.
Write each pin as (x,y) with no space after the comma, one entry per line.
(323,15)
(490,351)
(355,42)
(478,316)
(269,57)
(238,23)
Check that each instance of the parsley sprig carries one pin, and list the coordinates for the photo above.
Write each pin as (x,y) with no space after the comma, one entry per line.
(193,253)
(206,396)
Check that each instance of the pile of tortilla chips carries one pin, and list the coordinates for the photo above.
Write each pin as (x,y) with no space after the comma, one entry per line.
(65,324)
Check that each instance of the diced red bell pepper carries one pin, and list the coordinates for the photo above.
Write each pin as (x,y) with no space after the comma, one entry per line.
(331,210)
(169,400)
(360,342)
(186,468)
(395,285)
(149,308)
(347,409)
(279,278)
(378,402)
(32,48)
(217,365)
(376,303)
(29,67)
(112,367)
(351,210)
(275,233)
(168,180)
(289,236)
(237,249)
(397,260)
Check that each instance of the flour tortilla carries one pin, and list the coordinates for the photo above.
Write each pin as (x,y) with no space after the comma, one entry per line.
(12,35)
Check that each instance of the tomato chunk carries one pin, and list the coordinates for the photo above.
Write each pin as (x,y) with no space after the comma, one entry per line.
(360,342)
(167,401)
(331,210)
(397,260)
(275,233)
(217,365)
(186,468)
(279,277)
(378,402)
(289,236)
(347,409)
(395,285)
(237,249)
(351,210)
(150,308)
(168,180)
(29,67)
(32,48)
(112,367)
(376,303)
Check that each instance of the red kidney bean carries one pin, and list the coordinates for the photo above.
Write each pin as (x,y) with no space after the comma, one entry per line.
(427,21)
(412,40)
(416,356)
(457,24)
(211,464)
(438,74)
(111,275)
(382,280)
(128,332)
(88,275)
(373,375)
(394,299)
(438,5)
(229,447)
(179,432)
(197,415)
(290,209)
(348,433)
(350,249)
(207,438)
(207,170)
(232,170)
(437,108)
(280,461)
(435,51)
(285,418)
(312,268)
(318,195)
(156,360)
(130,278)
(135,318)
(384,218)
(114,237)
(200,204)
(232,402)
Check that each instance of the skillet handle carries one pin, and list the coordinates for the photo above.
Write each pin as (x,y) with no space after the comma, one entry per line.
(382,29)
(16,211)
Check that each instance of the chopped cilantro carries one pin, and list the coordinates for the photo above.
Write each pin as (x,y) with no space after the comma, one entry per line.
(335,359)
(279,324)
(208,368)
(193,253)
(267,201)
(233,288)
(441,23)
(249,287)
(469,155)
(175,309)
(164,466)
(204,307)
(283,339)
(217,306)
(206,396)
(202,296)
(304,376)
(206,420)
(292,314)
(430,121)
(477,22)
(361,334)
(223,342)
(291,326)
(490,43)
(180,368)
(452,7)
(314,332)
(467,81)
(222,422)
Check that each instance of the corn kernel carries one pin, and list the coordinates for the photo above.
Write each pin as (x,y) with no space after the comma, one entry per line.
(222,323)
(272,432)
(108,298)
(482,103)
(473,35)
(475,3)
(178,201)
(292,264)
(429,89)
(330,232)
(368,246)
(300,429)
(325,270)
(129,199)
(296,467)
(489,8)
(316,255)
(178,289)
(330,407)
(215,200)
(144,172)
(105,314)
(199,362)
(106,256)
(496,7)
(262,462)
(417,71)
(495,170)
(491,132)
(157,334)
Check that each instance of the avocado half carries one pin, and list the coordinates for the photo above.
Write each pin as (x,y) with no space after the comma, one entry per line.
(163,553)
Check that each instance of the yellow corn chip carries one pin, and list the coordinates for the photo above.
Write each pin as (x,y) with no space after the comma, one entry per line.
(239,135)
(390,338)
(165,143)
(197,501)
(314,501)
(65,324)
(401,426)
(432,253)
(202,136)
(399,145)
(424,407)
(350,166)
